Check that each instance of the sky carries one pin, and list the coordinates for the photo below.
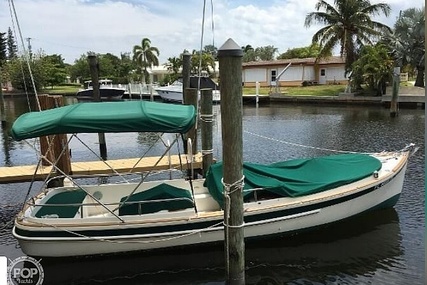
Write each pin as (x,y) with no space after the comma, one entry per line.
(72,28)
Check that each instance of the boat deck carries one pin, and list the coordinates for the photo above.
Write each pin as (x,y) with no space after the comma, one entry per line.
(25,173)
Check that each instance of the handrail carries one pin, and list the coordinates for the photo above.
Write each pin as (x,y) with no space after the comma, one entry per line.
(111,204)
(139,203)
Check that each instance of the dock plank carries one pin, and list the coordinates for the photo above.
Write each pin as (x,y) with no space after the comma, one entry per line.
(25,173)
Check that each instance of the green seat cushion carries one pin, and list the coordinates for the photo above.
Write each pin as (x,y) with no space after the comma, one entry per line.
(66,197)
(182,199)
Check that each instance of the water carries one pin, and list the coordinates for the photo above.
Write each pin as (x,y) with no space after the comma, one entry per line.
(384,247)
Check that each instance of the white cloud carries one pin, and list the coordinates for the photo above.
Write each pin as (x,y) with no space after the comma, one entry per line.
(74,27)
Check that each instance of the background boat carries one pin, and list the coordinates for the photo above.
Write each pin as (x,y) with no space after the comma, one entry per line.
(174,93)
(106,91)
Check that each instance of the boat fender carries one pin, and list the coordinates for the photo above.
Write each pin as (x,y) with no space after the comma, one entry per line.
(375,174)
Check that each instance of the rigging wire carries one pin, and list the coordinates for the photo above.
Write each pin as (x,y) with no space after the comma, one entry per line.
(26,55)
(20,62)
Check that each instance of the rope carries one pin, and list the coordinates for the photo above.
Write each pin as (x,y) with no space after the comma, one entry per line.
(229,189)
(299,145)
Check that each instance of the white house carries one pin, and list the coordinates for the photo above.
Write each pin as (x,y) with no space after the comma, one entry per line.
(326,71)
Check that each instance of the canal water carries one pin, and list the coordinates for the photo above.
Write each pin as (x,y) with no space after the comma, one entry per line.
(383,247)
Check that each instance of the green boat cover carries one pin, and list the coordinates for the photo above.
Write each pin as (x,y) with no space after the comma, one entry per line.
(298,177)
(180,199)
(62,199)
(106,117)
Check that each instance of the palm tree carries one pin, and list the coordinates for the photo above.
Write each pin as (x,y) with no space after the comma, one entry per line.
(248,53)
(348,24)
(408,41)
(145,56)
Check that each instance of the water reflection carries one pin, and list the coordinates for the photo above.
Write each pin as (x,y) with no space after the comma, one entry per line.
(358,248)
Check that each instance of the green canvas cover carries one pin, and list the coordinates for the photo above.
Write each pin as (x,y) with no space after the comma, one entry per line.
(159,192)
(61,199)
(298,177)
(106,117)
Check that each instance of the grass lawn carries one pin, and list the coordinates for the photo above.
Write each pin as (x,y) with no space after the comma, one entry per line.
(62,89)
(315,90)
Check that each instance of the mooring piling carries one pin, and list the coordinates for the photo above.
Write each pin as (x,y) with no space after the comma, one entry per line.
(94,69)
(206,120)
(394,105)
(230,71)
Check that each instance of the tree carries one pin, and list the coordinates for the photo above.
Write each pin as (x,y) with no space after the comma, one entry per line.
(12,50)
(265,52)
(173,65)
(110,66)
(348,24)
(20,77)
(145,56)
(205,62)
(408,41)
(54,71)
(248,53)
(125,68)
(212,50)
(374,67)
(312,50)
(3,55)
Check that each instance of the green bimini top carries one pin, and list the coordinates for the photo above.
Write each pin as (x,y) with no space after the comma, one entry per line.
(106,117)
(298,177)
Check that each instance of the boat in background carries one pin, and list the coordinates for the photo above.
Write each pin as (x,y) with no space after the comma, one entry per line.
(283,198)
(107,91)
(174,92)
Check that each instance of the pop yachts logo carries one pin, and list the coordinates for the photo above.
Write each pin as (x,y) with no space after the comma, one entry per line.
(25,270)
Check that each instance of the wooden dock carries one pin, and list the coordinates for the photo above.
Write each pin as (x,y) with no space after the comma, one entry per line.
(25,173)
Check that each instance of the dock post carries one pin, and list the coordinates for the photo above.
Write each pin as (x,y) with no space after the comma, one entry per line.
(54,147)
(206,120)
(94,68)
(60,143)
(46,149)
(230,71)
(190,98)
(186,70)
(394,107)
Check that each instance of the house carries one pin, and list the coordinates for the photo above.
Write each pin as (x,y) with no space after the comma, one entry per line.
(269,73)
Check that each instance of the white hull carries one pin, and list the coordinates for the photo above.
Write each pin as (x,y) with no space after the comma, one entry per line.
(279,216)
(174,94)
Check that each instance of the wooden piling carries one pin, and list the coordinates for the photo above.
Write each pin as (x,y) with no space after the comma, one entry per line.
(394,107)
(230,71)
(55,147)
(190,98)
(94,68)
(46,147)
(186,71)
(206,120)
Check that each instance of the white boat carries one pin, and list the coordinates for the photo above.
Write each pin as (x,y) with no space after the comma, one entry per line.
(107,91)
(279,199)
(174,93)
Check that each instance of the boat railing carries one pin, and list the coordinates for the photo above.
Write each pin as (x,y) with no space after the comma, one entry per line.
(139,88)
(116,205)
(102,177)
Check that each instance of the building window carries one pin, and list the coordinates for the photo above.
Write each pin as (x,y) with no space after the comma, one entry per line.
(273,75)
(322,72)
